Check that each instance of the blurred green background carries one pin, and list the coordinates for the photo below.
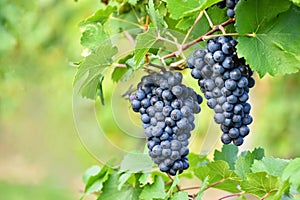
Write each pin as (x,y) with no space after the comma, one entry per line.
(41,155)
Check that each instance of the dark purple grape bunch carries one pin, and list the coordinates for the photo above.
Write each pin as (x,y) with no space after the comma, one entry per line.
(230,4)
(225,80)
(167,109)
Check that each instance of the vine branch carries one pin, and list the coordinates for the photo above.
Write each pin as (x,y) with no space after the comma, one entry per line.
(201,38)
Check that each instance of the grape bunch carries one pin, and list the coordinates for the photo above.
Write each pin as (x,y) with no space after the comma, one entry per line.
(225,80)
(167,109)
(230,4)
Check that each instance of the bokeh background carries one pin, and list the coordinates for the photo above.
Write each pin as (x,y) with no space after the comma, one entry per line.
(41,153)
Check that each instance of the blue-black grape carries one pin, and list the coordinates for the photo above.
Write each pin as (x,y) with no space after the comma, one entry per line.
(230,5)
(167,110)
(225,81)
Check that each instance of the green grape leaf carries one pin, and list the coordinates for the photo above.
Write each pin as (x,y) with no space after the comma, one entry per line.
(243,164)
(273,166)
(144,42)
(93,36)
(204,4)
(134,163)
(101,16)
(94,178)
(155,190)
(110,190)
(260,184)
(123,179)
(155,17)
(228,154)
(270,49)
(180,196)
(296,2)
(219,172)
(143,180)
(258,153)
(90,73)
(92,171)
(292,173)
(124,73)
(178,7)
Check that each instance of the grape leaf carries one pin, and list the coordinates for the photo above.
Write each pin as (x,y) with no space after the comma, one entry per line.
(243,164)
(93,36)
(156,19)
(136,163)
(296,2)
(101,16)
(292,173)
(258,153)
(90,73)
(144,42)
(228,154)
(204,4)
(273,166)
(94,178)
(92,171)
(270,49)
(155,190)
(219,172)
(178,7)
(110,190)
(260,184)
(123,179)
(180,196)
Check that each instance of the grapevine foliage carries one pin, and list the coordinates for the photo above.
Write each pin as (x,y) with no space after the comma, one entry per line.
(160,35)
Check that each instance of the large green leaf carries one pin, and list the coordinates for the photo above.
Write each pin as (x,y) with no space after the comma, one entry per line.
(228,154)
(260,184)
(90,73)
(275,43)
(180,8)
(273,166)
(110,190)
(136,163)
(93,36)
(243,164)
(144,42)
(292,173)
(180,196)
(101,15)
(155,17)
(155,190)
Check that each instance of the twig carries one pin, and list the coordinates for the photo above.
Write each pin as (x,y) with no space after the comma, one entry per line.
(128,22)
(129,37)
(192,188)
(218,35)
(266,195)
(231,195)
(211,24)
(192,27)
(216,183)
(157,66)
(119,65)
(201,38)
